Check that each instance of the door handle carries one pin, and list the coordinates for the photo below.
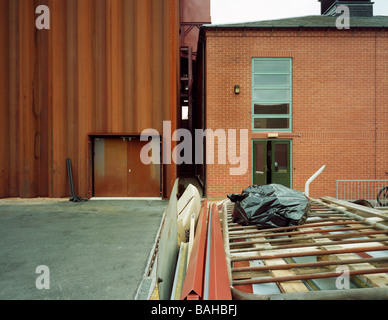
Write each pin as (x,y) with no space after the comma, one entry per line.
(129,170)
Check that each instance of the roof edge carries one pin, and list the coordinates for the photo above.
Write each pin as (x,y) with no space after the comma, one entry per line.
(299,22)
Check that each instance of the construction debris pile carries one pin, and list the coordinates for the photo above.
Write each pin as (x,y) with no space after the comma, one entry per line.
(278,244)
(270,206)
(340,252)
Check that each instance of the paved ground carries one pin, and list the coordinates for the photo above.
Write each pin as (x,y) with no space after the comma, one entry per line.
(94,250)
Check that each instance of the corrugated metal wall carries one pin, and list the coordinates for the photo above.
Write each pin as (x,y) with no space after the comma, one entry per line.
(104,67)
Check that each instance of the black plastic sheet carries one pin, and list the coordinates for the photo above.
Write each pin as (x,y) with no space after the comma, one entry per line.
(270,206)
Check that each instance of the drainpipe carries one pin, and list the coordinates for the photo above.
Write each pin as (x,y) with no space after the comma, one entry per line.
(313,177)
(203,114)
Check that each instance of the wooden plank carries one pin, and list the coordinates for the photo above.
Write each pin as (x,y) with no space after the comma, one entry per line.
(191,238)
(286,287)
(352,294)
(180,272)
(376,280)
(168,247)
(361,210)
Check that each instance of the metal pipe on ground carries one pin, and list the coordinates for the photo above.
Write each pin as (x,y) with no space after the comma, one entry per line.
(73,197)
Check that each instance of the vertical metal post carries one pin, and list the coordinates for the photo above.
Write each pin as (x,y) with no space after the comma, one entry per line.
(336,189)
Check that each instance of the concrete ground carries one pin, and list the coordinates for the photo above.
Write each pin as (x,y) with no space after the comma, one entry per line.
(95,250)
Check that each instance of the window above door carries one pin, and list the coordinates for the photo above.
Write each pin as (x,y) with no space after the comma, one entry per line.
(272,94)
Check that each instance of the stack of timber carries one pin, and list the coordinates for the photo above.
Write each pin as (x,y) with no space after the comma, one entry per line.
(189,206)
(340,252)
(169,257)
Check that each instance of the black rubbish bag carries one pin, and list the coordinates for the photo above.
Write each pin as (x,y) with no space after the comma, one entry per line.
(270,206)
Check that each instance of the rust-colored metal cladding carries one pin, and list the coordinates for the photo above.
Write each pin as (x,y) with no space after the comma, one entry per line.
(196,11)
(105,67)
(4,101)
(194,14)
(193,285)
(337,237)
(219,285)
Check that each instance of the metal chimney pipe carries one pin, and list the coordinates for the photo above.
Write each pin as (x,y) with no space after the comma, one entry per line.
(312,178)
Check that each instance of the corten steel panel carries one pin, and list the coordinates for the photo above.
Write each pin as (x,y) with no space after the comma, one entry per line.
(196,11)
(193,12)
(41,104)
(110,167)
(4,102)
(14,139)
(104,67)
(27,124)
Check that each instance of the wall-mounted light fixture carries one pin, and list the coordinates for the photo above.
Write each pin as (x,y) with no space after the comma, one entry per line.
(237,89)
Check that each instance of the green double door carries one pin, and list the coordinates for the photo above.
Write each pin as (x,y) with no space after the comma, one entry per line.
(272,162)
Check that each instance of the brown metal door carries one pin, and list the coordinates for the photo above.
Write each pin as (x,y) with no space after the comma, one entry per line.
(110,167)
(143,180)
(119,171)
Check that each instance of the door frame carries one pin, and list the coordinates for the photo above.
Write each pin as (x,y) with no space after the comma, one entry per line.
(92,137)
(272,140)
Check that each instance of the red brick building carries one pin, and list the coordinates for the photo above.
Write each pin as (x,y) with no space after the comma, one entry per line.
(310,95)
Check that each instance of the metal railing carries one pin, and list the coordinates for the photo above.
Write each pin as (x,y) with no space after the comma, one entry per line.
(352,190)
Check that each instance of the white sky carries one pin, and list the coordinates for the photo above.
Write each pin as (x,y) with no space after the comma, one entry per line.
(230,11)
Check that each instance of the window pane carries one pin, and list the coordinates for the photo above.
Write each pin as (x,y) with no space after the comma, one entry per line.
(271,123)
(259,158)
(281,158)
(185,113)
(272,80)
(272,95)
(271,66)
(272,108)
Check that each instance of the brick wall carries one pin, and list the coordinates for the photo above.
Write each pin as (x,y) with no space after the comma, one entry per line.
(340,102)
